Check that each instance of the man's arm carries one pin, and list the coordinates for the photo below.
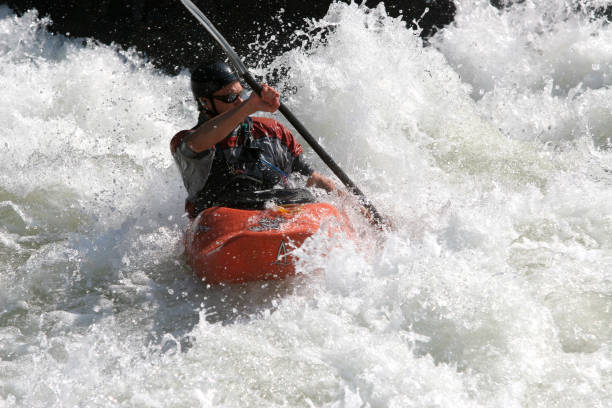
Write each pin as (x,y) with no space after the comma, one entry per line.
(216,129)
(327,184)
(318,180)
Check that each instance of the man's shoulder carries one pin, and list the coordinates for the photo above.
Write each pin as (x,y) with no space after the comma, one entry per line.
(268,127)
(177,139)
(268,123)
(271,128)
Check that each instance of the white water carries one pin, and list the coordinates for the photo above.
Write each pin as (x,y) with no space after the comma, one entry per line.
(490,150)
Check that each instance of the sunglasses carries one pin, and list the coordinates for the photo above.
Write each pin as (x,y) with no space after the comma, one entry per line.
(229,98)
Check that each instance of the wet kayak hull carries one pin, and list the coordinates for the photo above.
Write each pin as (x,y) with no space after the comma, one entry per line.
(228,245)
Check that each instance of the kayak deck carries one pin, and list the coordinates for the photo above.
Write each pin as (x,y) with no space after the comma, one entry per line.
(228,245)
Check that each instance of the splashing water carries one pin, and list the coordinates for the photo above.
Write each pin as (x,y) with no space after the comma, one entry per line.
(489,148)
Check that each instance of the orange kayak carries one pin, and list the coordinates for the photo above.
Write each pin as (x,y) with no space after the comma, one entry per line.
(229,245)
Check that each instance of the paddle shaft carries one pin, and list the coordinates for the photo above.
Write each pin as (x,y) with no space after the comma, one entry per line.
(244,72)
(327,159)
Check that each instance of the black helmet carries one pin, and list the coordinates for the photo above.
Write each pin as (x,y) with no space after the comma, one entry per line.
(208,78)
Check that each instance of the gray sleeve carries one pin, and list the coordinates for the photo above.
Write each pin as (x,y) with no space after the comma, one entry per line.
(194,168)
(187,152)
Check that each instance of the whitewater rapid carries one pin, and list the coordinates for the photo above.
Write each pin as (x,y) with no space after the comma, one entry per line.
(489,148)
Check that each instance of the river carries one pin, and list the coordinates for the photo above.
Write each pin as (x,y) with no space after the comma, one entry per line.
(489,148)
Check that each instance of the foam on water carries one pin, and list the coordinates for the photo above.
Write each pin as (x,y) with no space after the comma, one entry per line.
(489,149)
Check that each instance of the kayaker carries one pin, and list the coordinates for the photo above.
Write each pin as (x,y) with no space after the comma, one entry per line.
(228,151)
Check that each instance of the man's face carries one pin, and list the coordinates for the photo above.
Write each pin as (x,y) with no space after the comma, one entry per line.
(220,103)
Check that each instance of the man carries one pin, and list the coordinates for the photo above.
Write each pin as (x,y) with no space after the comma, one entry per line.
(229,151)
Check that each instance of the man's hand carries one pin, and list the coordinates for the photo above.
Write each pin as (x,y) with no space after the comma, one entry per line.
(320,181)
(217,128)
(268,101)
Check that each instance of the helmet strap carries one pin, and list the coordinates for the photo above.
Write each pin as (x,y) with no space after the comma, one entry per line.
(206,113)
(212,103)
